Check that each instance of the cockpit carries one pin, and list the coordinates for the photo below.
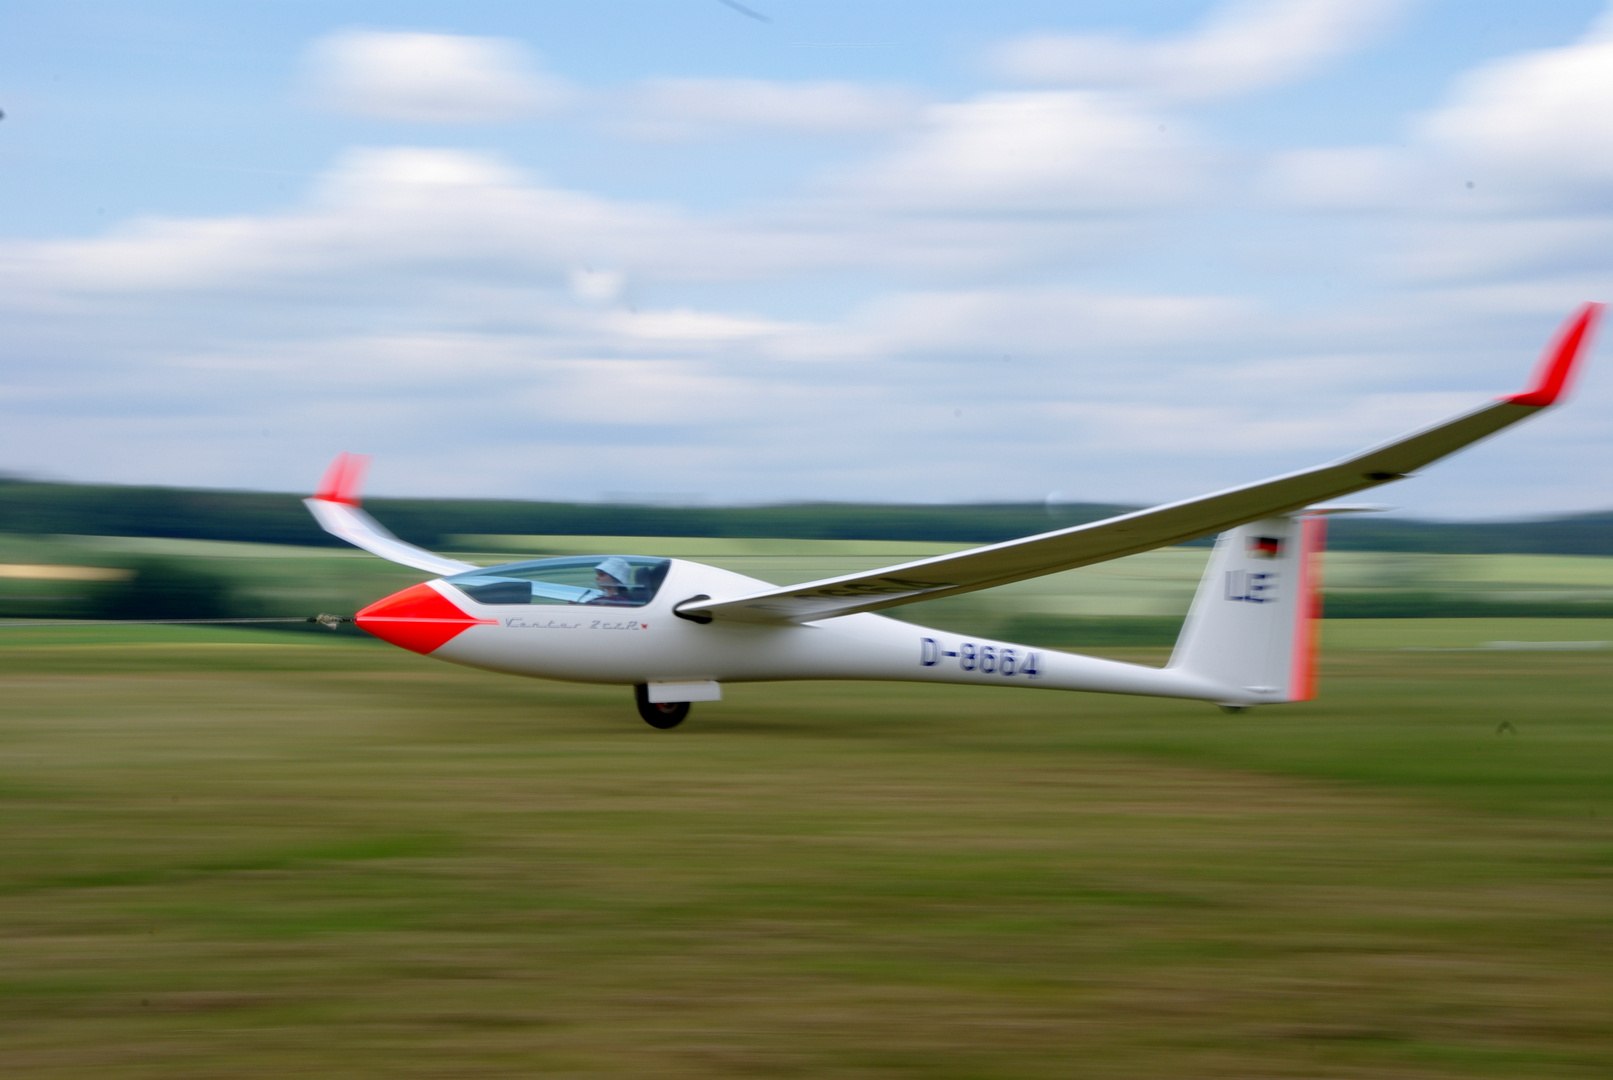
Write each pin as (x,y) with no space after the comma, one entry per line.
(598,580)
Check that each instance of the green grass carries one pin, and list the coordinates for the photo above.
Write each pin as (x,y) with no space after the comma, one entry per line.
(230,855)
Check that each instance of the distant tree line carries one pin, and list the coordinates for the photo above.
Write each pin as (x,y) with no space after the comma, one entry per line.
(262,517)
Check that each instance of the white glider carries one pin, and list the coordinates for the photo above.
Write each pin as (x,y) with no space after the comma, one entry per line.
(676,630)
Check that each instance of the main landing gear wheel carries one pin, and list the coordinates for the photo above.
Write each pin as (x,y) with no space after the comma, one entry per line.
(659,714)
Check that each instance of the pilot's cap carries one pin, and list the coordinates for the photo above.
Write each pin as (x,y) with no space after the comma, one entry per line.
(616,567)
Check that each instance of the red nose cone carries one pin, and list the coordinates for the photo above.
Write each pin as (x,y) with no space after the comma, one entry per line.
(419,619)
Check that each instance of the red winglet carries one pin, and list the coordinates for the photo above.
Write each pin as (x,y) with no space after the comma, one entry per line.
(1551,376)
(343,479)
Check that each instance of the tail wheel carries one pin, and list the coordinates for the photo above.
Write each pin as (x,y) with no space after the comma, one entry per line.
(659,714)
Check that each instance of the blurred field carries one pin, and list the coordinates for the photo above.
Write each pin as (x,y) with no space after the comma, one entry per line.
(257,855)
(1139,600)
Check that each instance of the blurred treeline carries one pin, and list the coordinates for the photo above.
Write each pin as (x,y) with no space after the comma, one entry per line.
(147,588)
(72,551)
(30,507)
(159,588)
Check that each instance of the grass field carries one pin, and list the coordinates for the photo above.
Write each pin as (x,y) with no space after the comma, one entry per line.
(256,855)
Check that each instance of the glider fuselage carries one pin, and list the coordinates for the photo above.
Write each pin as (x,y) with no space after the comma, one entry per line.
(585,642)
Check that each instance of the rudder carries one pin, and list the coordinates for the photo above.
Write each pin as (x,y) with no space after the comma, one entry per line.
(1251,626)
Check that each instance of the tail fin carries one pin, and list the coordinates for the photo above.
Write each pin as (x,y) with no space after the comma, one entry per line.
(1251,624)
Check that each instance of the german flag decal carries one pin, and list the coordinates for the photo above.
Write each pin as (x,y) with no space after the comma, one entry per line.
(1265,547)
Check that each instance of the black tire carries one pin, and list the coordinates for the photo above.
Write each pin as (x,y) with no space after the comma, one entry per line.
(663,715)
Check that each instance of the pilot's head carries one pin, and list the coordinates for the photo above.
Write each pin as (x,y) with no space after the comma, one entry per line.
(613,574)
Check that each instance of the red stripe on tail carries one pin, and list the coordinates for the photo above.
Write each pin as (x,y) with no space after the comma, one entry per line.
(1307,608)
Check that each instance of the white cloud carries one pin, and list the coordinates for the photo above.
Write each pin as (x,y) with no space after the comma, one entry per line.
(599,286)
(1561,254)
(1243,46)
(386,208)
(424,303)
(682,325)
(1501,189)
(1540,124)
(429,78)
(491,332)
(381,214)
(678,109)
(1229,427)
(1053,151)
(1342,178)
(1530,134)
(1064,320)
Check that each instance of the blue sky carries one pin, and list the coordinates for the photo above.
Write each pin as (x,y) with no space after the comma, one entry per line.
(883,250)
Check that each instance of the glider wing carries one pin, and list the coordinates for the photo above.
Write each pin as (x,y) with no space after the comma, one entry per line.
(335,506)
(1143,530)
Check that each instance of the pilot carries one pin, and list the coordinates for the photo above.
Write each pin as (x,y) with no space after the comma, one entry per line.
(611,578)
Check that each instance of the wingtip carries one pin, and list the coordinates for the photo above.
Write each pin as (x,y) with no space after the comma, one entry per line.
(343,479)
(1558,362)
